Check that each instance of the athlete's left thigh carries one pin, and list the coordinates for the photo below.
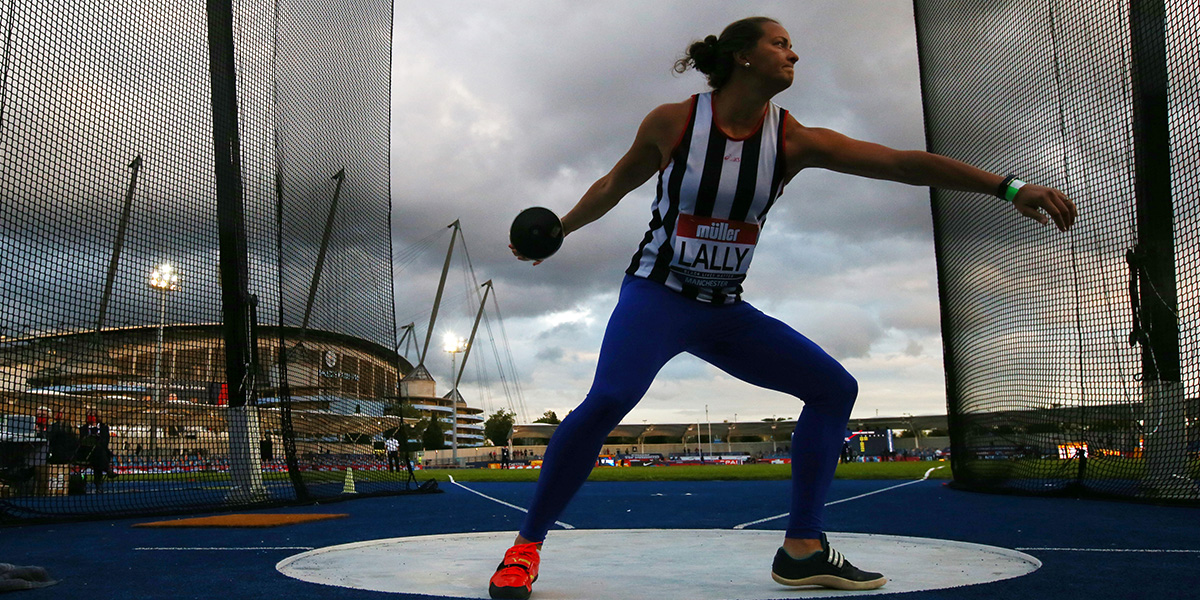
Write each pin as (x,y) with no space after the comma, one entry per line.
(767,352)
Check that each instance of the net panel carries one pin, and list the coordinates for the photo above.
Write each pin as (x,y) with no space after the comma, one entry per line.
(1046,392)
(113,394)
(333,109)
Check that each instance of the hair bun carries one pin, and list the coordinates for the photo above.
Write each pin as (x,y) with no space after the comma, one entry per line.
(704,54)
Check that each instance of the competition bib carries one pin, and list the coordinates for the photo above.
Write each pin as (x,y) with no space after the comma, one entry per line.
(713,253)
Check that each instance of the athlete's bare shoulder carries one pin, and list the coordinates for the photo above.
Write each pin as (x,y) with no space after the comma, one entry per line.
(801,143)
(673,110)
(669,119)
(664,126)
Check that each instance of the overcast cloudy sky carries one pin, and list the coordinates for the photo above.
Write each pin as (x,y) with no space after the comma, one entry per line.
(502,105)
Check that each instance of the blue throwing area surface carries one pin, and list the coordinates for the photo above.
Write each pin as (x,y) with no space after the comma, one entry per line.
(647,537)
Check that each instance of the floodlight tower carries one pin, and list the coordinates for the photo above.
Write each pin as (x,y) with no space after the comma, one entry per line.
(454,344)
(164,278)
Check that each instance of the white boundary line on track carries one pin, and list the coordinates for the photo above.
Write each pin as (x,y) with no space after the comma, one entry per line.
(524,510)
(235,548)
(1144,550)
(741,526)
(899,485)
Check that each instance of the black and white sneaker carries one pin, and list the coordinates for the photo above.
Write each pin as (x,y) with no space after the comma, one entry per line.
(827,568)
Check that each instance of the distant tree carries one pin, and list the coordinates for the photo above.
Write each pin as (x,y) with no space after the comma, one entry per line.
(434,437)
(549,418)
(412,428)
(404,409)
(416,433)
(499,426)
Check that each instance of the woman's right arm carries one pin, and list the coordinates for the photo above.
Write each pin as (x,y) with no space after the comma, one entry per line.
(649,153)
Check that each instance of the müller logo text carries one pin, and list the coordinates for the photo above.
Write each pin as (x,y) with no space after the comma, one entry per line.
(721,232)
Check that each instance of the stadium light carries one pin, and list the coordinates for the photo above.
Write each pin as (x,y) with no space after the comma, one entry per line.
(913,428)
(164,278)
(453,344)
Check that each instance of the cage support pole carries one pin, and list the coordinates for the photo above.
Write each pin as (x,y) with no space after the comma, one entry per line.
(238,305)
(1164,424)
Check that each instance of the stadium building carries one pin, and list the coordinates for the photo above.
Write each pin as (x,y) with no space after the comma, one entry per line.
(179,385)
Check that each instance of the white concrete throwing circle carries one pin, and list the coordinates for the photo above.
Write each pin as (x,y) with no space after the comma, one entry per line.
(663,564)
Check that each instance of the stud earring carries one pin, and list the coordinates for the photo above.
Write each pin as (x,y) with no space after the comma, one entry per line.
(746,65)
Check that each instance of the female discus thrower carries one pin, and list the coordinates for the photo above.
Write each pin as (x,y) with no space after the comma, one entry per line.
(722,159)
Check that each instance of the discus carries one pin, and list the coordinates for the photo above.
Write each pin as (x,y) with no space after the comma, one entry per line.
(536,233)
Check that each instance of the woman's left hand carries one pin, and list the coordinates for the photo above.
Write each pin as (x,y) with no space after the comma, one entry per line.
(1041,204)
(522,257)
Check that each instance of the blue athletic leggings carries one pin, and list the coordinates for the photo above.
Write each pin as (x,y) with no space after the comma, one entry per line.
(650,325)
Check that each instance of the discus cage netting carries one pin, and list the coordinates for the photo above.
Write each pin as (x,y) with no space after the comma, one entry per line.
(111,119)
(1071,359)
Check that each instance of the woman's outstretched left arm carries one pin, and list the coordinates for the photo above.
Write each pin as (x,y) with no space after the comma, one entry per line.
(827,149)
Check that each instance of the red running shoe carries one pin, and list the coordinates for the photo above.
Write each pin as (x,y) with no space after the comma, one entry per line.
(515,576)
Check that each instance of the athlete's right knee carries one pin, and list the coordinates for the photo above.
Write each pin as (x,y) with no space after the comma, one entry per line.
(836,392)
(846,387)
(842,391)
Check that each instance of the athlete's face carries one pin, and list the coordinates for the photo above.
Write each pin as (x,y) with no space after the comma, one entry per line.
(772,58)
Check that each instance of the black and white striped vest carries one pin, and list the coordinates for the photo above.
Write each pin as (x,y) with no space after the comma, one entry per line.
(711,202)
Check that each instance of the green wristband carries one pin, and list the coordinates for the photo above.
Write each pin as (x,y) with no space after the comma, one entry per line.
(1009,187)
(1014,186)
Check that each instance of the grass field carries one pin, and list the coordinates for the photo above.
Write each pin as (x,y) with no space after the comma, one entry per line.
(756,472)
(1020,469)
(884,470)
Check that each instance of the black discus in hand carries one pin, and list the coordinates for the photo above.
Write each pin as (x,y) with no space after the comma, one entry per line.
(536,233)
